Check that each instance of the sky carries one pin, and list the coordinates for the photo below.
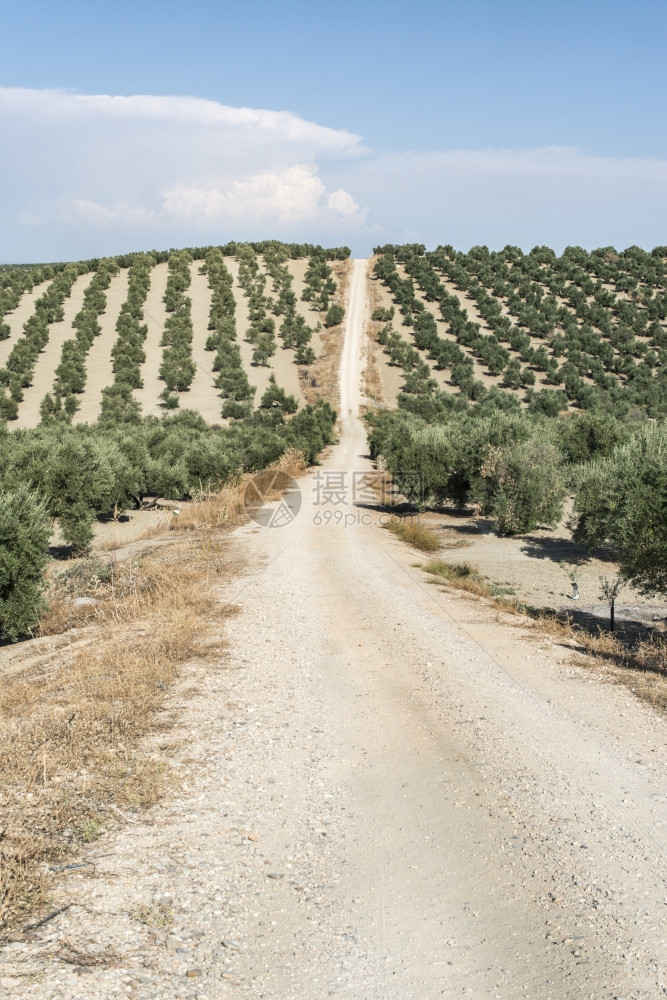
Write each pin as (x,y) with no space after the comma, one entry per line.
(139,124)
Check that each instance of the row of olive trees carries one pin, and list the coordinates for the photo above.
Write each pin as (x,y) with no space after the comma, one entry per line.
(14,283)
(128,353)
(76,474)
(320,283)
(18,371)
(232,379)
(71,374)
(177,368)
(294,331)
(261,332)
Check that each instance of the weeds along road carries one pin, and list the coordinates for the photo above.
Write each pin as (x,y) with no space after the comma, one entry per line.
(385,795)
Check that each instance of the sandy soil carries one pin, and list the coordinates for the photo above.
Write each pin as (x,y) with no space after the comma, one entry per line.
(282,362)
(258,375)
(381,793)
(391,376)
(154,317)
(99,363)
(532,566)
(286,372)
(203,394)
(17,318)
(297,268)
(49,359)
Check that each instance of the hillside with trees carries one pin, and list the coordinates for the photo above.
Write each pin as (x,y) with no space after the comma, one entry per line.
(527,380)
(191,380)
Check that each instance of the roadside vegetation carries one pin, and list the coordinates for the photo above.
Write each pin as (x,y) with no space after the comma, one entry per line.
(73,712)
(571,409)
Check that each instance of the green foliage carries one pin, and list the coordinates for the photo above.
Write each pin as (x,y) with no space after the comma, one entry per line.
(621,501)
(128,353)
(177,369)
(86,471)
(320,283)
(448,456)
(25,529)
(609,344)
(169,399)
(334,315)
(547,401)
(591,435)
(265,348)
(119,406)
(276,398)
(523,485)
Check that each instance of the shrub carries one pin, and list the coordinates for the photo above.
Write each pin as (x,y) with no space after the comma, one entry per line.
(523,485)
(276,398)
(334,315)
(418,535)
(622,501)
(25,529)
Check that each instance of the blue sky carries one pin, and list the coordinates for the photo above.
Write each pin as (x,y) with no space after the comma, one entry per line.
(495,122)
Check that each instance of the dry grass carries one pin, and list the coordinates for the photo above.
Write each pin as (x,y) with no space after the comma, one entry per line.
(465,576)
(373,388)
(418,535)
(94,683)
(642,666)
(73,716)
(226,507)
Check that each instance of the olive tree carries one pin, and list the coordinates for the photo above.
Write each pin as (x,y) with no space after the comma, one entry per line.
(621,501)
(25,529)
(524,485)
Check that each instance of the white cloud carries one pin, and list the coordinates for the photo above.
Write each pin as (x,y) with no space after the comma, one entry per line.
(342,202)
(162,170)
(288,197)
(66,108)
(83,175)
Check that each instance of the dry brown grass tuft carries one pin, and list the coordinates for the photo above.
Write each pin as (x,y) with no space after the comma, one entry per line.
(642,667)
(293,463)
(418,535)
(211,509)
(73,716)
(463,576)
(226,507)
(373,389)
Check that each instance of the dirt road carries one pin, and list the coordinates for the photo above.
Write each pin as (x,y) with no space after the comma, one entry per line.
(384,795)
